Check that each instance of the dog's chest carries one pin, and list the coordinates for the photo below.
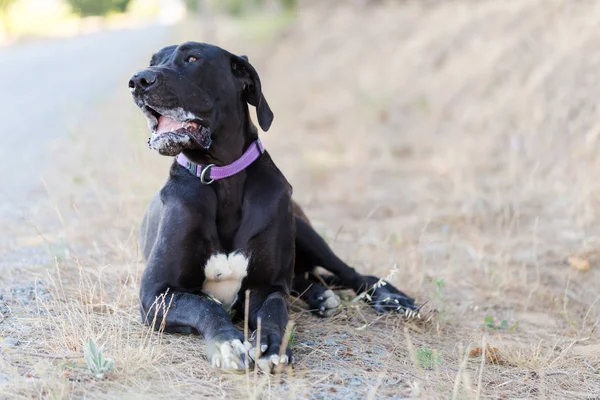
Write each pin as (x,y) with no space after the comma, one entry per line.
(224,274)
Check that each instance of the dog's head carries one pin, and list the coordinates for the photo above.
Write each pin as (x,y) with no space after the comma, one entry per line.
(195,90)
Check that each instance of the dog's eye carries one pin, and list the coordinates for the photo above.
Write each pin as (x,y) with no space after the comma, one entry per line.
(191,59)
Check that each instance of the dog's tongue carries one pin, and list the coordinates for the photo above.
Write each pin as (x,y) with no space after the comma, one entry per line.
(166,125)
(169,128)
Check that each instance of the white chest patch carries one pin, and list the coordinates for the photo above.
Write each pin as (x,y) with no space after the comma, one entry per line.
(224,274)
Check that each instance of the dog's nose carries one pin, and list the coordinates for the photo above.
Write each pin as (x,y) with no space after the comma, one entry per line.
(142,80)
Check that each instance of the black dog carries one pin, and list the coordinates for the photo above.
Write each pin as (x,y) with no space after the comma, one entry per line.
(206,242)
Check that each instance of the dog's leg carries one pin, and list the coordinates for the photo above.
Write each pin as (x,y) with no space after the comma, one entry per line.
(181,241)
(313,251)
(224,343)
(322,301)
(272,311)
(382,296)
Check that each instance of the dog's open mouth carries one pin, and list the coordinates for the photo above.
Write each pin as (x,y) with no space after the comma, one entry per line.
(175,130)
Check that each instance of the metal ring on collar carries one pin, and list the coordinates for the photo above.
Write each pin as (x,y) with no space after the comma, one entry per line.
(203,175)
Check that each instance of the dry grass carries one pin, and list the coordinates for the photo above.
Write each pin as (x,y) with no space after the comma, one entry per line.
(457,141)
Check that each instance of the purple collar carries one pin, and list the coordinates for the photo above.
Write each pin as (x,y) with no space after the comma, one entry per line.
(210,173)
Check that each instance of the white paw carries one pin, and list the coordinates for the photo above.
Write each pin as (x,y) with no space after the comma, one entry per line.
(268,363)
(228,355)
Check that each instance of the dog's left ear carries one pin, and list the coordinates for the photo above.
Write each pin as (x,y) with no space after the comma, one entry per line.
(244,71)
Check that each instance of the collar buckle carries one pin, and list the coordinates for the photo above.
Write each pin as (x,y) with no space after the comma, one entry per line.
(203,175)
(191,166)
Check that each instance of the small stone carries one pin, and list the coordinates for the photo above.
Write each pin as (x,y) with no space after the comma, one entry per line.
(580,264)
(9,343)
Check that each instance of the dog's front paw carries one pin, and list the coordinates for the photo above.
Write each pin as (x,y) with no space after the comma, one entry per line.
(268,358)
(226,351)
(384,297)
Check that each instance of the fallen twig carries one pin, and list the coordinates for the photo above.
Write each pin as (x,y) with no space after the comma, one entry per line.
(44,355)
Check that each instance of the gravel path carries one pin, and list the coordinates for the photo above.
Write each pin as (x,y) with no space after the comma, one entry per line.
(50,85)
(48,88)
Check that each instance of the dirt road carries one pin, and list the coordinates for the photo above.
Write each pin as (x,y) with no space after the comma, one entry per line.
(49,88)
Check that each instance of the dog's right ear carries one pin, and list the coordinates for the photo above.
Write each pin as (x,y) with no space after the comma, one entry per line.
(251,86)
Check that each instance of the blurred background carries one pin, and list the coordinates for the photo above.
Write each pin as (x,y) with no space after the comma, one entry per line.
(455,140)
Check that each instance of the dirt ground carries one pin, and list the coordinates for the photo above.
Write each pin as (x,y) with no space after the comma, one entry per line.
(455,141)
